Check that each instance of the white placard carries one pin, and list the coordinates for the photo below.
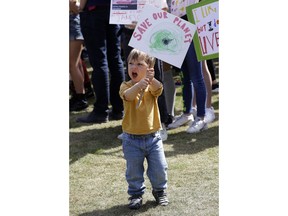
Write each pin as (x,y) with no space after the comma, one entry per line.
(128,11)
(178,7)
(162,35)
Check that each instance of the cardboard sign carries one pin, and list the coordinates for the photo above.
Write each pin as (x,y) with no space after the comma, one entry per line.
(205,15)
(162,35)
(128,11)
(178,7)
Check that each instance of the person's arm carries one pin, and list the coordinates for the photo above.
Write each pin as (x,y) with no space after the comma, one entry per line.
(155,85)
(131,93)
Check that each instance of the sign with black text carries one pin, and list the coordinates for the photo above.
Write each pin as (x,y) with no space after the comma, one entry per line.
(205,15)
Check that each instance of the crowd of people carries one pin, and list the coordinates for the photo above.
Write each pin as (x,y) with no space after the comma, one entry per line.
(132,86)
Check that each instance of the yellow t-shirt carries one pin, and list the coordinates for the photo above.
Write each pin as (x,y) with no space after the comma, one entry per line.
(146,118)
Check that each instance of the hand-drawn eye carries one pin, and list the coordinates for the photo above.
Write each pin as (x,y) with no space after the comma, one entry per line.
(165,40)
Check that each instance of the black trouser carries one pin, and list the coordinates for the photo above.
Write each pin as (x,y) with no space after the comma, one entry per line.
(211,68)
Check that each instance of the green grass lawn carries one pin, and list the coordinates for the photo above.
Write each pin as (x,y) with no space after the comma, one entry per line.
(97,170)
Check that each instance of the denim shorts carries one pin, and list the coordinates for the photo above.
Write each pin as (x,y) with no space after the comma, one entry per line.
(74,27)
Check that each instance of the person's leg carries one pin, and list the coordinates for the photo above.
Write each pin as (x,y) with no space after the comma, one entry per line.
(208,83)
(192,71)
(158,68)
(87,82)
(93,26)
(157,165)
(192,67)
(134,157)
(77,77)
(187,89)
(209,112)
(116,69)
(78,100)
(127,33)
(157,169)
(211,67)
(170,91)
(187,96)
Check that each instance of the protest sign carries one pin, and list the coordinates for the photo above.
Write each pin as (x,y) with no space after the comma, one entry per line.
(162,35)
(128,11)
(205,15)
(178,7)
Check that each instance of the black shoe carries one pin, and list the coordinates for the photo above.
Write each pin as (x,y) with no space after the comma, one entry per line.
(160,197)
(115,116)
(170,119)
(78,105)
(78,102)
(92,118)
(135,202)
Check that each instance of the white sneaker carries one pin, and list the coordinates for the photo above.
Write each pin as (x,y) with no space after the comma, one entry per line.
(209,115)
(120,136)
(181,120)
(197,126)
(163,133)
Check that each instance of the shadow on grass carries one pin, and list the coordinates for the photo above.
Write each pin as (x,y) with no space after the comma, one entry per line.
(121,210)
(97,139)
(192,143)
(93,141)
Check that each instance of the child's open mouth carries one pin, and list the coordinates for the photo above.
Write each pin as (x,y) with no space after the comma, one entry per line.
(134,74)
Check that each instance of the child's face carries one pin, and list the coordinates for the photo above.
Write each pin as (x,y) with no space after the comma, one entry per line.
(137,69)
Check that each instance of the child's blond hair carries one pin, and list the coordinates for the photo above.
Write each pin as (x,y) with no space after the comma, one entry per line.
(136,54)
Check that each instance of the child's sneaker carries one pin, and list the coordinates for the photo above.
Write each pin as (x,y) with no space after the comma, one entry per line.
(197,126)
(181,120)
(160,197)
(135,202)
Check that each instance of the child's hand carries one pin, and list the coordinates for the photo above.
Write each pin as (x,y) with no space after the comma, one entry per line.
(150,74)
(143,83)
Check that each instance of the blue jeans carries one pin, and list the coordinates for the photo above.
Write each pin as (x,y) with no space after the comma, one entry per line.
(138,147)
(103,44)
(193,76)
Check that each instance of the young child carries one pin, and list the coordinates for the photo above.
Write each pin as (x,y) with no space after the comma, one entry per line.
(141,125)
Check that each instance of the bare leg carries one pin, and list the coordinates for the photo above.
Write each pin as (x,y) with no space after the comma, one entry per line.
(208,83)
(75,48)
